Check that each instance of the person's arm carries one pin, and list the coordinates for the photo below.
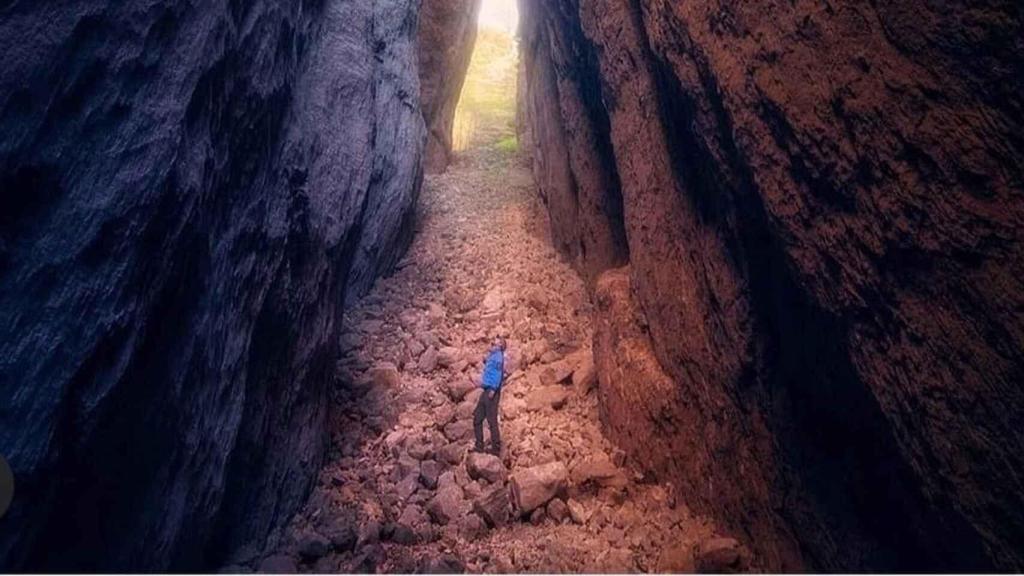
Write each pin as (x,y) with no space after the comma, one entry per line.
(503,373)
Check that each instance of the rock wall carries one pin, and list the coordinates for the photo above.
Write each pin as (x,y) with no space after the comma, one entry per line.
(189,193)
(447,34)
(562,117)
(820,334)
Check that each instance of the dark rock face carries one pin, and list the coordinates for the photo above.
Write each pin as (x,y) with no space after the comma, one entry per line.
(189,192)
(822,322)
(447,33)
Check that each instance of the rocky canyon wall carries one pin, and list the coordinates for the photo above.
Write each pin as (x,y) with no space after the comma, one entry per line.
(818,334)
(447,33)
(562,117)
(188,193)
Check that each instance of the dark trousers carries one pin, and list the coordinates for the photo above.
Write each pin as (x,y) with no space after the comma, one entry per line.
(487,407)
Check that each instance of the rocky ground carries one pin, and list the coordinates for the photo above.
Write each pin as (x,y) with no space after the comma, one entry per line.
(401,491)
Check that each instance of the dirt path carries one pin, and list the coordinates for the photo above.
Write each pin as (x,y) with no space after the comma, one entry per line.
(396,495)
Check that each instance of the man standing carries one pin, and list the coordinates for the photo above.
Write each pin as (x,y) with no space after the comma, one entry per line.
(487,406)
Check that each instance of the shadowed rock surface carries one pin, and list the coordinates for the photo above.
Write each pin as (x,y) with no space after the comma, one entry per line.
(446,35)
(562,116)
(820,329)
(189,192)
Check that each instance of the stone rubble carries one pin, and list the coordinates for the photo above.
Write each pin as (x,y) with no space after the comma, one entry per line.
(402,491)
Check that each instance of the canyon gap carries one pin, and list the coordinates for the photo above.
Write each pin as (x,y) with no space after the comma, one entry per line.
(800,225)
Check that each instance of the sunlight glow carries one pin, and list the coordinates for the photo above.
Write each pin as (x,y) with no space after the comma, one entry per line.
(501,15)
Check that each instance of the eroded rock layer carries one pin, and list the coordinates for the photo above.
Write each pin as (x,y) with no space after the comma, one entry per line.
(447,33)
(189,192)
(562,116)
(822,207)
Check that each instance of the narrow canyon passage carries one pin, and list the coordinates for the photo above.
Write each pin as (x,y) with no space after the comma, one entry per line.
(760,266)
(400,492)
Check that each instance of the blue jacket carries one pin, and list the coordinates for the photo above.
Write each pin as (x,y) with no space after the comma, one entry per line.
(494,367)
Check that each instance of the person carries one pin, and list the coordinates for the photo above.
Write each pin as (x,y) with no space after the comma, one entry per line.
(487,406)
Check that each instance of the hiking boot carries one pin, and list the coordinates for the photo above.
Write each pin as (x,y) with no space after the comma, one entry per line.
(495,451)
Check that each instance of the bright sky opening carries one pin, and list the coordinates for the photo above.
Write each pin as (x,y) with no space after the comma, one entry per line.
(500,15)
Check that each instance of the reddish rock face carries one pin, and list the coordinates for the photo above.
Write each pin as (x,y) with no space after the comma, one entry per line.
(447,32)
(822,321)
(573,162)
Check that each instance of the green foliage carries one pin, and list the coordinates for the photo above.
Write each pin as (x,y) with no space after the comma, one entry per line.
(487,107)
(509,145)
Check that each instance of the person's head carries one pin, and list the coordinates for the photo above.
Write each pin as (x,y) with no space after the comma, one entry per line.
(499,343)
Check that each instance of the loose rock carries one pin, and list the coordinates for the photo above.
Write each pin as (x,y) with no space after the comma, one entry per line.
(312,547)
(547,397)
(279,564)
(557,510)
(719,555)
(534,487)
(493,506)
(486,466)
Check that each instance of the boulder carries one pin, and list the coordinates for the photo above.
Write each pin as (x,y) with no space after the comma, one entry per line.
(458,388)
(430,471)
(415,348)
(394,441)
(443,564)
(369,534)
(421,449)
(458,430)
(448,356)
(312,546)
(385,375)
(493,506)
(472,527)
(584,378)
(676,559)
(410,525)
(486,466)
(614,561)
(342,535)
(557,372)
(406,465)
(448,505)
(720,556)
(557,510)
(512,407)
(537,298)
(537,516)
(435,313)
(278,564)
(493,301)
(534,487)
(327,565)
(428,361)
(367,560)
(547,397)
(408,486)
(404,535)
(576,511)
(451,453)
(601,471)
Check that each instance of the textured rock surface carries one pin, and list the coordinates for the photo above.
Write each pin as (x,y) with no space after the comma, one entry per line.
(189,194)
(821,322)
(561,115)
(447,31)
